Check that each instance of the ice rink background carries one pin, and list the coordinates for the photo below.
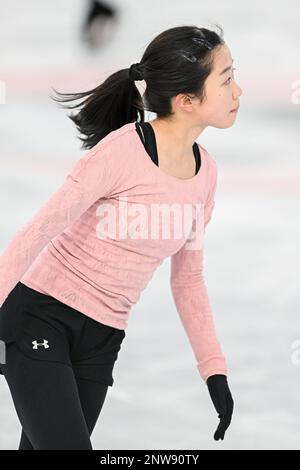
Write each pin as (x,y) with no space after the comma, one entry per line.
(252,252)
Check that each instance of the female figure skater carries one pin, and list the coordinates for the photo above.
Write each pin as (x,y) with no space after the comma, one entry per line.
(67,286)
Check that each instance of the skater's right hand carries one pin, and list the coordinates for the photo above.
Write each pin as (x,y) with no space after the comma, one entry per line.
(221,397)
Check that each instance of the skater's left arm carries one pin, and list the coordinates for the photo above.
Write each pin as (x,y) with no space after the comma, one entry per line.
(192,302)
(190,293)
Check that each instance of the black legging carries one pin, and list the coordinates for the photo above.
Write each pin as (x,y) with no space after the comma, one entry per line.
(56,409)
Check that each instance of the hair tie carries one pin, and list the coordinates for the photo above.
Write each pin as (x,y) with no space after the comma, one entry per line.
(135,72)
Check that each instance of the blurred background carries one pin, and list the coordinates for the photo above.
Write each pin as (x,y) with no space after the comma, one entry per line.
(252,255)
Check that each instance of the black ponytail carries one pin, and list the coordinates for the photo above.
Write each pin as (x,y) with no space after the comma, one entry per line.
(105,108)
(178,60)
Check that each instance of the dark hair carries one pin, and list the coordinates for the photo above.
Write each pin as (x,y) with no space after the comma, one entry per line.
(178,60)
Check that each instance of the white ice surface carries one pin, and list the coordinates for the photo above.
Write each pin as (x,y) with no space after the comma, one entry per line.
(158,400)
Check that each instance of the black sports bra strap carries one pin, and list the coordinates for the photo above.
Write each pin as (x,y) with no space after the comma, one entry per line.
(150,141)
(147,136)
(140,131)
(197,156)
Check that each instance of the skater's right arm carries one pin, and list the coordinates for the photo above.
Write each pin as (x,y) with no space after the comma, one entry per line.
(93,176)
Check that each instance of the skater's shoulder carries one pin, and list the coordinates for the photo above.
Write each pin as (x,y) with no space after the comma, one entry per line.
(113,152)
(120,137)
(207,156)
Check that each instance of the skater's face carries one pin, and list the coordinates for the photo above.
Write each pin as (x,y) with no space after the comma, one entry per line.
(221,95)
(222,92)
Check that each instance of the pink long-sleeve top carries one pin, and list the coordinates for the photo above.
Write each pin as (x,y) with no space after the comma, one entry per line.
(97,241)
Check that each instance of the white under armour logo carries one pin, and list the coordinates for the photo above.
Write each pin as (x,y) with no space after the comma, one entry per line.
(36,344)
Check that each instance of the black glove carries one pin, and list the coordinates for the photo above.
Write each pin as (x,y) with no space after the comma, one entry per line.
(222,400)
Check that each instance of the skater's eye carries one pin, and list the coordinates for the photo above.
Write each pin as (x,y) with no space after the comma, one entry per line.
(230,78)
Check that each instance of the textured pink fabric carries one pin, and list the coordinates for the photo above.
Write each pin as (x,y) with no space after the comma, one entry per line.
(64,251)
